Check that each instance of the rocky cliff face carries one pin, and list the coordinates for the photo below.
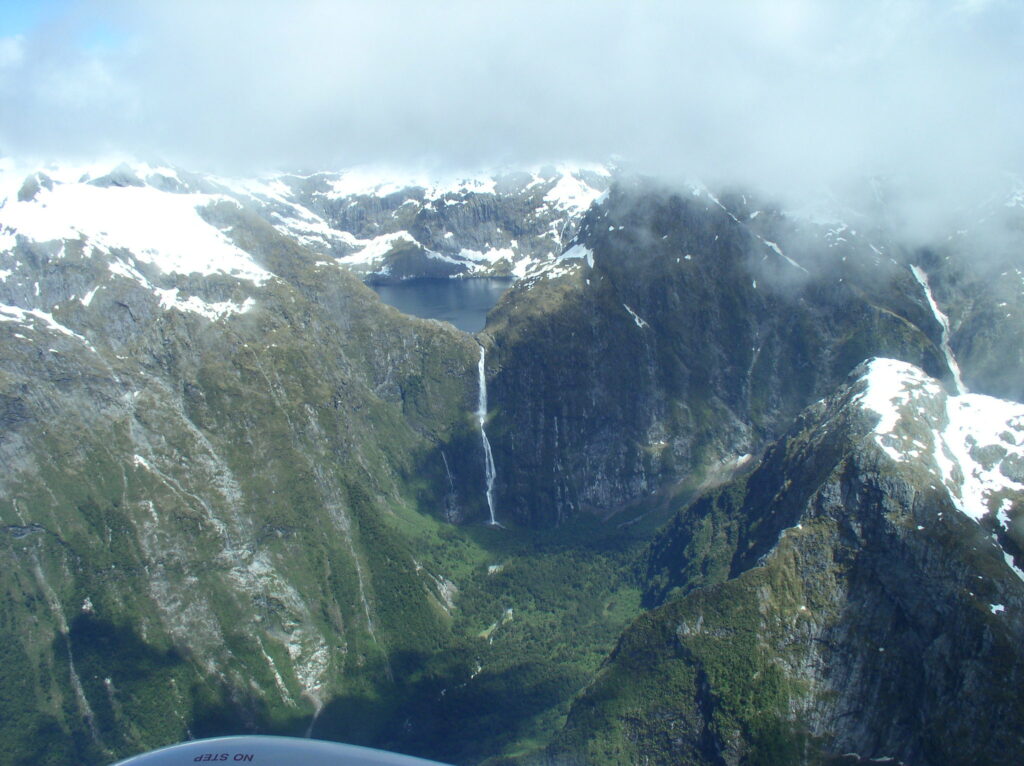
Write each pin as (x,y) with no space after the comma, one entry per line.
(859,592)
(239,493)
(680,333)
(205,435)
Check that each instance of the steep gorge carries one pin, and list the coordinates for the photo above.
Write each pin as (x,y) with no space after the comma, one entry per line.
(213,498)
(834,601)
(687,343)
(263,495)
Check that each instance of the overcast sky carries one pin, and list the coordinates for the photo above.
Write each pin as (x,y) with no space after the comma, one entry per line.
(783,94)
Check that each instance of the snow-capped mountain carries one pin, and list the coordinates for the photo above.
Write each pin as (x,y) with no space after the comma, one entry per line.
(383,226)
(841,602)
(239,492)
(969,444)
(398,227)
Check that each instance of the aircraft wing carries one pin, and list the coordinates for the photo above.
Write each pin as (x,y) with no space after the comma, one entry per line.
(261,750)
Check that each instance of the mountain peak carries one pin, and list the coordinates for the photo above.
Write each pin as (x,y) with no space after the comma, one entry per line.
(972,445)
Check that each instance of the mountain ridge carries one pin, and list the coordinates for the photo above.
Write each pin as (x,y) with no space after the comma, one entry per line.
(854,583)
(229,463)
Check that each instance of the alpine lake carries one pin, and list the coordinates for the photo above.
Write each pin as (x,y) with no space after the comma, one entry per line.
(462,302)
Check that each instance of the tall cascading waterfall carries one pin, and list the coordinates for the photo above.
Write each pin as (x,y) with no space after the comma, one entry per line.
(481,413)
(947,351)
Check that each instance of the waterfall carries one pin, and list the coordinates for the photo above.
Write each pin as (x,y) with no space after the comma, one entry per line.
(481,414)
(448,473)
(943,320)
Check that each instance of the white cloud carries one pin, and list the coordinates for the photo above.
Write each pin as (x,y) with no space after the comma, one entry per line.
(781,94)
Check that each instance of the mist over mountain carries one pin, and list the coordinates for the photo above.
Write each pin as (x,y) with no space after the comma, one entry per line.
(303,512)
(794,98)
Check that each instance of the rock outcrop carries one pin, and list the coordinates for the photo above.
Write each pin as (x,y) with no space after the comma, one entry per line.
(238,493)
(674,338)
(859,592)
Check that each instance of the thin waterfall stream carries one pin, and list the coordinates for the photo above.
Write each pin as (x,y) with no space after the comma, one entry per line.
(481,413)
(947,351)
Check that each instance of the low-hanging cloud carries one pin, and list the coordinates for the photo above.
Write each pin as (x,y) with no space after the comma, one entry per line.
(784,96)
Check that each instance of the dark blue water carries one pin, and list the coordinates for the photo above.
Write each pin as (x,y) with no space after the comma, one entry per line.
(463,302)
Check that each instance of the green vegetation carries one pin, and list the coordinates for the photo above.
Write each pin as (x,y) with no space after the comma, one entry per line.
(532,622)
(246,510)
(702,675)
(273,523)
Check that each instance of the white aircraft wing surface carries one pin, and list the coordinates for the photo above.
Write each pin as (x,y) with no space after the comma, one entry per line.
(262,750)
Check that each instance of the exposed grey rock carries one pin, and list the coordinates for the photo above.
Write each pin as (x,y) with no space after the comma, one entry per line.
(123,175)
(688,343)
(32,185)
(892,616)
(217,490)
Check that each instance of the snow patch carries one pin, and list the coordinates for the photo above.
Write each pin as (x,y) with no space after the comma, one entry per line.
(572,193)
(639,322)
(963,441)
(578,251)
(170,299)
(160,228)
(382,181)
(785,257)
(26,317)
(372,250)
(491,256)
